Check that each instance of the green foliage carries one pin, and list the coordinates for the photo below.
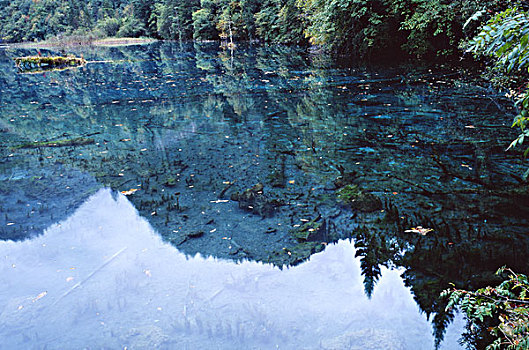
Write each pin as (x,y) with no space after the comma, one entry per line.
(365,28)
(506,305)
(203,25)
(431,26)
(131,27)
(415,27)
(280,21)
(143,12)
(505,38)
(108,26)
(175,19)
(348,25)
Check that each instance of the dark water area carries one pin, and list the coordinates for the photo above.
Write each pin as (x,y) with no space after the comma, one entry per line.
(231,167)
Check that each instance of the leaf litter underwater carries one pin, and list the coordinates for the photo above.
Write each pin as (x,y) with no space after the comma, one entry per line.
(267,155)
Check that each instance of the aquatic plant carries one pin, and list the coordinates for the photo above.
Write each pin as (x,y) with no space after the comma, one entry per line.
(32,62)
(348,193)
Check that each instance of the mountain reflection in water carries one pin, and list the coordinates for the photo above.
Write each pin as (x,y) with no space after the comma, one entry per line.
(104,279)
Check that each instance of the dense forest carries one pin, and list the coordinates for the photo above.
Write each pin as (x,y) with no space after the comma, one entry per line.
(366,28)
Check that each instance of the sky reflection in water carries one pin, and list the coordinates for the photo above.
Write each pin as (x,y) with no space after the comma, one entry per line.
(104,279)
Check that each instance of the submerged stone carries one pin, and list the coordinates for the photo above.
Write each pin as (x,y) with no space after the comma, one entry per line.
(254,200)
(352,196)
(366,202)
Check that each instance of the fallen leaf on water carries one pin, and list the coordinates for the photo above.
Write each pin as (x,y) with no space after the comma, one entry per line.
(129,192)
(420,230)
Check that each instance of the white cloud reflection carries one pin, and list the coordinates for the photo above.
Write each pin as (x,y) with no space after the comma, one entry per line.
(104,279)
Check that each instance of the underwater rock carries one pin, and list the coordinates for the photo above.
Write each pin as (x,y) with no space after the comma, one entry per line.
(296,254)
(366,202)
(196,234)
(311,231)
(254,200)
(345,178)
(277,177)
(351,195)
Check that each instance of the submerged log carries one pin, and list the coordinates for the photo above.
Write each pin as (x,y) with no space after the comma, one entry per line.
(39,62)
(78,141)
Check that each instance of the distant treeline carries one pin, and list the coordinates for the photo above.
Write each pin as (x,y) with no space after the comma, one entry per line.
(357,27)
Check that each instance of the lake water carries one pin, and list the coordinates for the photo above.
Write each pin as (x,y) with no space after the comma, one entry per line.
(168,196)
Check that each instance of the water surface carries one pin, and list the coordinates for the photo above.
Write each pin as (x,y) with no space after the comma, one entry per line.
(244,157)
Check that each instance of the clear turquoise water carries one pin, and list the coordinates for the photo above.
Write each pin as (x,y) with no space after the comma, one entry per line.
(182,129)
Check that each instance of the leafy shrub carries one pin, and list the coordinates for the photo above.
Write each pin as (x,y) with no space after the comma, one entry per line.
(109,26)
(131,28)
(505,38)
(506,305)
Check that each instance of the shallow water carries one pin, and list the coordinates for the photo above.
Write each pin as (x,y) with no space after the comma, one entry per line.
(243,157)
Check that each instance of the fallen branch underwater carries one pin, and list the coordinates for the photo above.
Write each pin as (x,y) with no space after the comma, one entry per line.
(78,141)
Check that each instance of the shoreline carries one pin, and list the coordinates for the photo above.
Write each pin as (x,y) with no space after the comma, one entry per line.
(72,42)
